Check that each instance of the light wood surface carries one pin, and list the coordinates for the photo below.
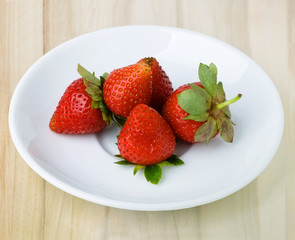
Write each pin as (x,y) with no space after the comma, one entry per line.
(31,208)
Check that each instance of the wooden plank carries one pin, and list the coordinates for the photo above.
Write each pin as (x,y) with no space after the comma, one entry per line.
(22,196)
(288,86)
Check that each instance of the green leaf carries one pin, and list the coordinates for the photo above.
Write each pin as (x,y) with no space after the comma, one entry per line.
(202,91)
(220,97)
(174,160)
(124,162)
(164,163)
(208,77)
(88,75)
(106,117)
(226,111)
(119,156)
(105,75)
(94,105)
(95,94)
(103,107)
(206,131)
(226,130)
(137,168)
(94,90)
(106,113)
(91,85)
(103,78)
(195,100)
(199,118)
(220,94)
(213,68)
(153,173)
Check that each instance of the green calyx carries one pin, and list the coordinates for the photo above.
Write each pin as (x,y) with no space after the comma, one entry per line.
(152,173)
(94,87)
(208,105)
(94,90)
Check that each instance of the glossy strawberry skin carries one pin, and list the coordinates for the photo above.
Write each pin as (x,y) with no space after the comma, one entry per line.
(161,84)
(74,114)
(146,138)
(126,87)
(174,114)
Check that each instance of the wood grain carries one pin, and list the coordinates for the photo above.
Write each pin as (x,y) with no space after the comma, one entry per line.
(31,208)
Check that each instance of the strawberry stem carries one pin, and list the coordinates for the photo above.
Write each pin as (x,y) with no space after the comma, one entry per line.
(223,104)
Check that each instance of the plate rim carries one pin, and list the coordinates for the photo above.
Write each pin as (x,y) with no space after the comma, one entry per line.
(126,204)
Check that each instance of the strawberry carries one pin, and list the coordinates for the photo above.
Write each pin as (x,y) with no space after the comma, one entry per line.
(126,87)
(147,141)
(161,85)
(198,112)
(80,109)
(146,138)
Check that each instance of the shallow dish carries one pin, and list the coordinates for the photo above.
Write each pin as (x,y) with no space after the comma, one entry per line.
(84,165)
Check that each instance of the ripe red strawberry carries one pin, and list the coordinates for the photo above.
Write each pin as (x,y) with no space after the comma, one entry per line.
(79,110)
(146,138)
(197,112)
(161,85)
(126,87)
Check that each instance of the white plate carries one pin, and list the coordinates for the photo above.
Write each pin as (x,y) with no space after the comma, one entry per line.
(83,165)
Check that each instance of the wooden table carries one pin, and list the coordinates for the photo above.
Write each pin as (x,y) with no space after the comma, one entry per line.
(31,208)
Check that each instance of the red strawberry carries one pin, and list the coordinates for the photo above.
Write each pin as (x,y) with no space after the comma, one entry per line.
(146,138)
(80,110)
(197,112)
(161,85)
(126,87)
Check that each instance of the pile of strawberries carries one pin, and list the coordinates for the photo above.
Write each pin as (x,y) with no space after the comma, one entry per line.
(140,99)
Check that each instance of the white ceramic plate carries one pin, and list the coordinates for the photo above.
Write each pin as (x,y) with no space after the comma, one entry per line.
(83,165)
